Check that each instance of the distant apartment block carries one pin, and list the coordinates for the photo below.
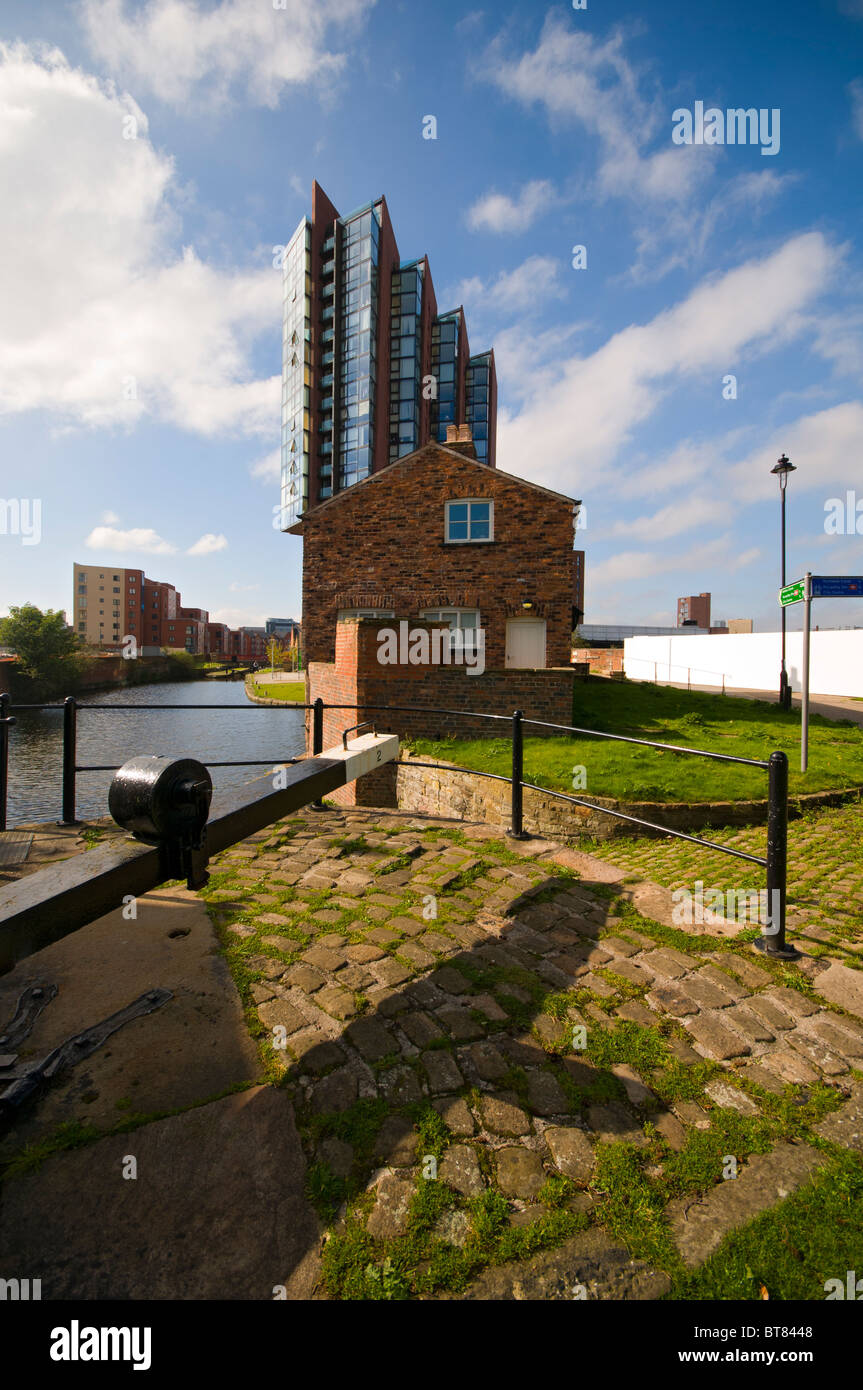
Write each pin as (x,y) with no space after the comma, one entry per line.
(694,611)
(111,604)
(236,644)
(740,625)
(283,629)
(371,371)
(577,586)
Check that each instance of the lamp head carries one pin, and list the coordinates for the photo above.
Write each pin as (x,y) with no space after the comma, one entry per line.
(782,468)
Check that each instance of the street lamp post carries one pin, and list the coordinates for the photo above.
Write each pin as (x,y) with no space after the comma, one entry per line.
(783,467)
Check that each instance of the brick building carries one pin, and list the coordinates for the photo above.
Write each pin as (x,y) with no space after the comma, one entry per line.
(111,604)
(443,542)
(240,644)
(371,369)
(694,611)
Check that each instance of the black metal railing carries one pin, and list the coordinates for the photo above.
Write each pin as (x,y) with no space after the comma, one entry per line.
(774,862)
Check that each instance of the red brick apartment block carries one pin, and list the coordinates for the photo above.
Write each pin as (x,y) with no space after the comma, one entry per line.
(390,549)
(694,611)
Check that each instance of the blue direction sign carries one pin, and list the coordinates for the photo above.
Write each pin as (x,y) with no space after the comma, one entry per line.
(837,586)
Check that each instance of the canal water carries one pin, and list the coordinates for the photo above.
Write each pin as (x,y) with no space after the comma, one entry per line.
(236,730)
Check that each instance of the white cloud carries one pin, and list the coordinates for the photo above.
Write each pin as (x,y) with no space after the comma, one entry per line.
(624,564)
(583,411)
(242,588)
(826,449)
(138,539)
(687,462)
(238,617)
(103,323)
(838,338)
(208,544)
(678,234)
(684,515)
(187,55)
(512,292)
(496,212)
(610,581)
(580,79)
(469,21)
(110,518)
(590,83)
(268,468)
(522,359)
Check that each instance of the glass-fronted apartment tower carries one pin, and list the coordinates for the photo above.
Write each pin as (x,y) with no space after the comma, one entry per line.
(370,370)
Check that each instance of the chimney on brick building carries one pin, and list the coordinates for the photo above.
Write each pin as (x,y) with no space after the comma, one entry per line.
(460,439)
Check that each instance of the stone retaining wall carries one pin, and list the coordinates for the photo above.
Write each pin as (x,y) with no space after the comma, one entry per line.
(437,791)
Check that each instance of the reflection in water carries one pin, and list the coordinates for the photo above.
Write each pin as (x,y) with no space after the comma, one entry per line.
(242,730)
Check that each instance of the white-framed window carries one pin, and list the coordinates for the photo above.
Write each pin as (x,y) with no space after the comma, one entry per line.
(468,520)
(345,614)
(464,621)
(461,619)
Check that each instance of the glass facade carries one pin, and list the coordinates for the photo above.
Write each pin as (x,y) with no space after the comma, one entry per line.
(333,271)
(478,402)
(296,374)
(359,238)
(405,359)
(444,367)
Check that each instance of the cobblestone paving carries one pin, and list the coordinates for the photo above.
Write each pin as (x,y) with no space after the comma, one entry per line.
(825,872)
(490,1058)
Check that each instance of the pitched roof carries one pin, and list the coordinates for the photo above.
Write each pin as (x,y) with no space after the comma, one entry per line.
(297,528)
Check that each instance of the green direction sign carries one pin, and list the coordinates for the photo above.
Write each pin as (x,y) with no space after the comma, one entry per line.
(793,593)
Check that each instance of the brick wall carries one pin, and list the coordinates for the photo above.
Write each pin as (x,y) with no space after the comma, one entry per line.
(381,545)
(357,678)
(336,683)
(603,661)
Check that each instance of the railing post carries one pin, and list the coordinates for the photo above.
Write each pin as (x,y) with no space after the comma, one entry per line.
(6,723)
(516,830)
(318,739)
(772,941)
(70,758)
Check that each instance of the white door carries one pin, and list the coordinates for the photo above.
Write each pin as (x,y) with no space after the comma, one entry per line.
(525,643)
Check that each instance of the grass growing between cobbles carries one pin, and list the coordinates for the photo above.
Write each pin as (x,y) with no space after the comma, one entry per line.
(718,724)
(419,1264)
(825,870)
(631,1185)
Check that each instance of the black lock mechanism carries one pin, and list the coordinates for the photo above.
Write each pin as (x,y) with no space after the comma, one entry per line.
(166,802)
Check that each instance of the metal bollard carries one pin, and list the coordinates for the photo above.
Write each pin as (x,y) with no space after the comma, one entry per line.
(70,758)
(6,722)
(166,802)
(772,941)
(318,740)
(516,830)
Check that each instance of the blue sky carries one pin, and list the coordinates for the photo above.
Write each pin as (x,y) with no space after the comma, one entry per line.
(140,336)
